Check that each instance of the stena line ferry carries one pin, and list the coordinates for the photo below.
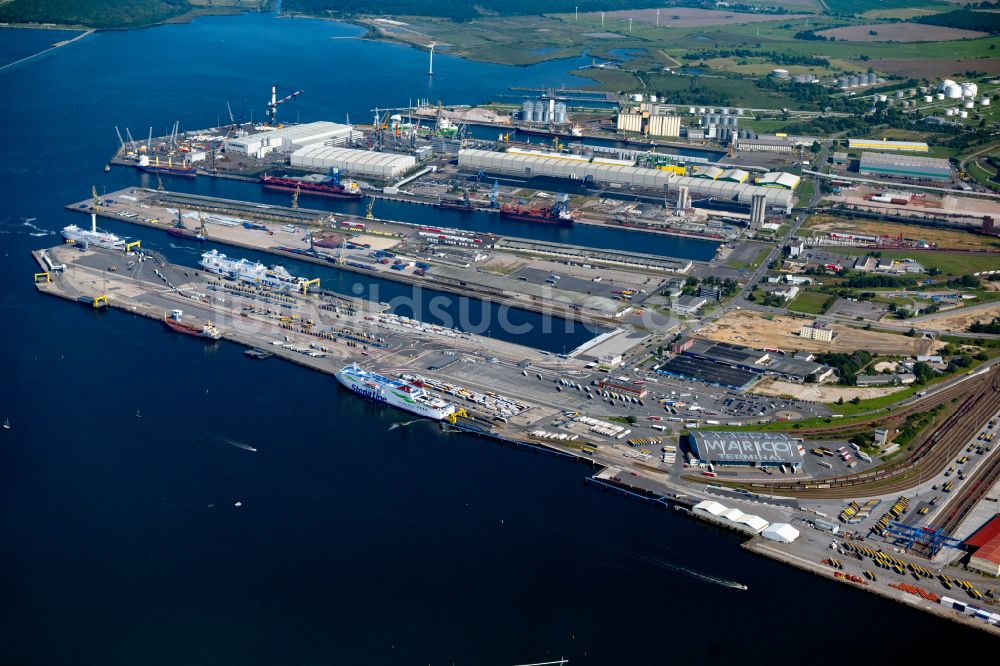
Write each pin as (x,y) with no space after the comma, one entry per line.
(394,392)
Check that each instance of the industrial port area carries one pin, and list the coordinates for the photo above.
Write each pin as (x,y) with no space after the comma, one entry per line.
(813,379)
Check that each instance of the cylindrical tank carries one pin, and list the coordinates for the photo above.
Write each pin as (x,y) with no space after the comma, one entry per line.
(969,104)
(944,84)
(899,94)
(725,111)
(739,112)
(964,114)
(854,81)
(969,89)
(949,112)
(923,90)
(940,95)
(528,110)
(560,113)
(701,109)
(882,98)
(985,101)
(872,78)
(652,98)
(691,110)
(539,114)
(779,73)
(928,98)
(954,91)
(844,81)
(911,92)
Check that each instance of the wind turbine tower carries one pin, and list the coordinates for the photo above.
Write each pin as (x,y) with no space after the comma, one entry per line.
(430,70)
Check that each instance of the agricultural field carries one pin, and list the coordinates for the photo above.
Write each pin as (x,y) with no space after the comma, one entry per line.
(900,32)
(688,17)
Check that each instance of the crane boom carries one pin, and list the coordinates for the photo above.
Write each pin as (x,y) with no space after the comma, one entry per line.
(272,107)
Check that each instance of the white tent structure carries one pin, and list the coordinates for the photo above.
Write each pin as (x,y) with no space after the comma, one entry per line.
(782,532)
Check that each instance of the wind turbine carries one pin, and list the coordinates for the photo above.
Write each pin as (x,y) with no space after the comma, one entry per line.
(430,70)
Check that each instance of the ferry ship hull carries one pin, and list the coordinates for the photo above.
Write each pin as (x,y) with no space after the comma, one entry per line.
(389,396)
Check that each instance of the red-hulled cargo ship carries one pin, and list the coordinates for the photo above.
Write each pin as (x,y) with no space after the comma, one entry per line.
(328,187)
(558,214)
(174,323)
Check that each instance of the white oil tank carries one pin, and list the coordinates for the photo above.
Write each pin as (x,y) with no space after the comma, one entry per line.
(944,84)
(940,96)
(969,104)
(949,112)
(928,98)
(985,101)
(964,114)
(691,110)
(954,91)
(969,89)
(882,98)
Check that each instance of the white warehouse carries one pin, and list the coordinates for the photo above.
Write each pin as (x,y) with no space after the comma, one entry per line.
(557,166)
(291,138)
(358,162)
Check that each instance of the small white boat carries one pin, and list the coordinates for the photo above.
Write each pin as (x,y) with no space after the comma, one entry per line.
(6,424)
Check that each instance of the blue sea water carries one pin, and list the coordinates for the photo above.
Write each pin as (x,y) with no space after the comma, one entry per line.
(363,536)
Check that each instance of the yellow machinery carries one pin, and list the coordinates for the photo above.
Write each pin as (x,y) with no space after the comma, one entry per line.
(43,277)
(371,204)
(134,245)
(673,168)
(100,301)
(309,283)
(454,416)
(295,198)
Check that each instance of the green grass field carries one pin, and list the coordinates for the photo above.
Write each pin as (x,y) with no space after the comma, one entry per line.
(809,302)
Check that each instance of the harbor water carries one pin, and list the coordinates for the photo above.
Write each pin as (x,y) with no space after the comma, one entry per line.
(164,500)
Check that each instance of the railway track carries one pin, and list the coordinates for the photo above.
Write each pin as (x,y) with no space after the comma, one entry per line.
(930,456)
(978,484)
(930,402)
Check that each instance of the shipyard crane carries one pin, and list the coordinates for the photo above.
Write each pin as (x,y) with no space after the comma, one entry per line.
(295,201)
(272,107)
(495,195)
(97,199)
(371,205)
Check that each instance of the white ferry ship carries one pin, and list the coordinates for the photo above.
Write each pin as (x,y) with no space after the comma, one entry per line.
(244,270)
(394,392)
(92,236)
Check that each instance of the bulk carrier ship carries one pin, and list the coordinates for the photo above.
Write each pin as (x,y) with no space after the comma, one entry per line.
(557,214)
(171,169)
(399,394)
(331,186)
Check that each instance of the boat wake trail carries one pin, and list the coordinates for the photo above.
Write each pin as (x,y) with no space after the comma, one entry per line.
(400,425)
(239,445)
(691,573)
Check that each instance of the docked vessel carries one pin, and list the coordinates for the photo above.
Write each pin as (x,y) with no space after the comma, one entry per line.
(244,270)
(399,394)
(169,168)
(174,323)
(92,236)
(558,213)
(456,204)
(184,232)
(329,186)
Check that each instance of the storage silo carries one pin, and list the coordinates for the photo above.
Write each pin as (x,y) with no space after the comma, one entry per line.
(949,112)
(985,101)
(969,104)
(928,98)
(944,85)
(854,81)
(725,111)
(843,82)
(940,95)
(872,78)
(560,114)
(528,110)
(970,90)
(964,114)
(539,113)
(954,91)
